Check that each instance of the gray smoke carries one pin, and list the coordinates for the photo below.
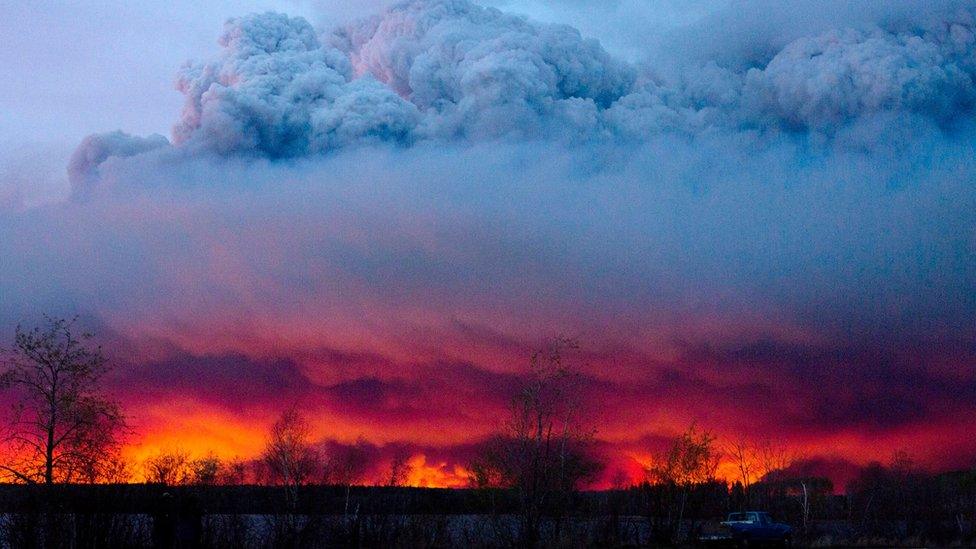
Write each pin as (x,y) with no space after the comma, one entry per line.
(276,91)
(451,70)
(83,168)
(477,72)
(444,177)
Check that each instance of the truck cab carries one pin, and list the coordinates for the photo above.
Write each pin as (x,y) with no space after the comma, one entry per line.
(747,529)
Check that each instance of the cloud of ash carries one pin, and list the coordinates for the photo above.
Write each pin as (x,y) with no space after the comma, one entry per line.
(448,70)
(445,183)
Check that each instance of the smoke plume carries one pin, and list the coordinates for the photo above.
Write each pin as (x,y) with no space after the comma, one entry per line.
(754,229)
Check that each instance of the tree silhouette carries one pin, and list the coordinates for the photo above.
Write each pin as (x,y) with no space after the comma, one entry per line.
(170,467)
(743,455)
(207,470)
(689,462)
(289,456)
(399,469)
(346,466)
(542,451)
(63,428)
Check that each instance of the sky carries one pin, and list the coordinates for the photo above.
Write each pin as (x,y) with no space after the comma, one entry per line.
(754,218)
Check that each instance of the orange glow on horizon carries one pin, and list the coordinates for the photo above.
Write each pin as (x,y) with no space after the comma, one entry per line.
(199,430)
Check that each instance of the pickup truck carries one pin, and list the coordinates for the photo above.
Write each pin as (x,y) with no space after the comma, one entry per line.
(748,529)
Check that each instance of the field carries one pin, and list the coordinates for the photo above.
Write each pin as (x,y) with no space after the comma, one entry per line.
(141,515)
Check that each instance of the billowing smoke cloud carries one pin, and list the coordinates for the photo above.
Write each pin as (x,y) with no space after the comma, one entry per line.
(444,70)
(478,72)
(824,81)
(393,213)
(276,91)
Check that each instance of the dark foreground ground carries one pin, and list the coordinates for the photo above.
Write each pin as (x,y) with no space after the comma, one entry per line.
(123,516)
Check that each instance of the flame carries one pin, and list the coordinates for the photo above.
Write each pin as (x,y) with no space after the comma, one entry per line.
(439,474)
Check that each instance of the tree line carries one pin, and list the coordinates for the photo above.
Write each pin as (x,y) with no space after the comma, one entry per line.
(63,429)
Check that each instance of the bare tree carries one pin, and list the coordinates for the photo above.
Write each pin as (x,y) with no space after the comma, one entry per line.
(690,461)
(743,454)
(493,467)
(63,428)
(234,473)
(764,465)
(346,466)
(170,467)
(290,461)
(289,455)
(543,451)
(114,470)
(176,467)
(207,470)
(399,469)
(773,459)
